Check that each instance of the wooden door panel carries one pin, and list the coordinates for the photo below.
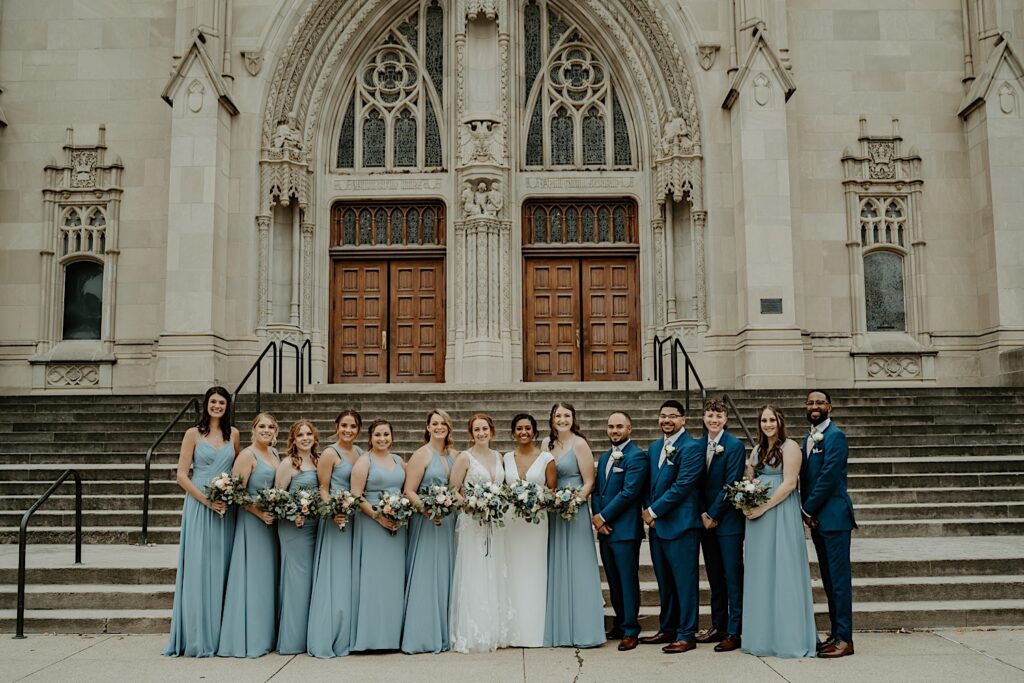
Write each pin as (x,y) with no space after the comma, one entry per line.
(611,312)
(417,345)
(358,318)
(552,320)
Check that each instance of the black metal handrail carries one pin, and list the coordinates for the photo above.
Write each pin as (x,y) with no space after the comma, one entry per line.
(739,418)
(257,368)
(675,348)
(195,405)
(19,628)
(307,346)
(298,366)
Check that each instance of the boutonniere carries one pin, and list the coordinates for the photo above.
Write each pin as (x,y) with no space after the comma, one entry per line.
(719,448)
(670,450)
(617,455)
(817,437)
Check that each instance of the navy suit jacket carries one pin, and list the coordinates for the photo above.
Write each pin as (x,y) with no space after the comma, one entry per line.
(726,467)
(618,498)
(823,481)
(674,491)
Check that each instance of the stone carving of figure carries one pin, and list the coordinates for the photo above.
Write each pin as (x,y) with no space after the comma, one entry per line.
(494,200)
(469,202)
(286,135)
(675,139)
(481,198)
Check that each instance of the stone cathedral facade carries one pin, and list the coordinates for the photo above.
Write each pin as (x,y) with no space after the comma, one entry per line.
(498,192)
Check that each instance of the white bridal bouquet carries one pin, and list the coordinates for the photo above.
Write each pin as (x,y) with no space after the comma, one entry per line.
(486,502)
(529,500)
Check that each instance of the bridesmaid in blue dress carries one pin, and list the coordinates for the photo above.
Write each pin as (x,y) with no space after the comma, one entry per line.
(249,624)
(378,557)
(778,611)
(575,607)
(204,550)
(298,540)
(330,611)
(430,555)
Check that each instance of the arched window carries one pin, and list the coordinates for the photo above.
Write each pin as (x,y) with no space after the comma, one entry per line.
(394,115)
(884,296)
(576,118)
(83,300)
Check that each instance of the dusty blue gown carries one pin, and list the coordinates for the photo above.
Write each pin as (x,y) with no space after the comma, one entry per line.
(575,608)
(430,559)
(330,610)
(378,569)
(204,553)
(296,582)
(778,611)
(249,624)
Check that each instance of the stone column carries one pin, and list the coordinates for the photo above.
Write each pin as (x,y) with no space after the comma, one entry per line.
(699,220)
(263,276)
(306,268)
(660,284)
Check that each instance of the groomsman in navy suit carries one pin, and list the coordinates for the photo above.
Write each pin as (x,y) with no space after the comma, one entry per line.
(722,535)
(673,514)
(828,511)
(617,503)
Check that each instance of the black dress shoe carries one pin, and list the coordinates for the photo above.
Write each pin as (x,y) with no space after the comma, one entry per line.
(824,644)
(658,638)
(614,634)
(710,635)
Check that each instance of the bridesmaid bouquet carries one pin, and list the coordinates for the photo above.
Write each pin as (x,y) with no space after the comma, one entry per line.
(340,503)
(486,502)
(227,488)
(438,501)
(305,502)
(747,494)
(277,502)
(529,500)
(396,507)
(566,502)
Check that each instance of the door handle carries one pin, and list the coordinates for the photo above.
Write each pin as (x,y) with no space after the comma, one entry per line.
(383,340)
(577,337)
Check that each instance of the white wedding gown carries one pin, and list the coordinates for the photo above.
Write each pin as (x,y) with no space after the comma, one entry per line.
(480,611)
(526,552)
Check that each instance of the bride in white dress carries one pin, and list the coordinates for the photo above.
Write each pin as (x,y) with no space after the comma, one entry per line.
(480,611)
(526,544)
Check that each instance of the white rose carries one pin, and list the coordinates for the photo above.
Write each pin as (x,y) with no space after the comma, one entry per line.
(817,437)
(440,498)
(719,448)
(523,496)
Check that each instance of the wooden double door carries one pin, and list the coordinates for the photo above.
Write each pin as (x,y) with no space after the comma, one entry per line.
(582,319)
(387,321)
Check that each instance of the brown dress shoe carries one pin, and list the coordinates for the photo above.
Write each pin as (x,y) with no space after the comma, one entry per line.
(628,643)
(728,644)
(839,648)
(710,635)
(679,646)
(658,638)
(825,643)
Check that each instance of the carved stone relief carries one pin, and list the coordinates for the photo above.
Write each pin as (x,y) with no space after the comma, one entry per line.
(72,375)
(253,60)
(195,96)
(762,89)
(483,142)
(894,367)
(481,198)
(706,53)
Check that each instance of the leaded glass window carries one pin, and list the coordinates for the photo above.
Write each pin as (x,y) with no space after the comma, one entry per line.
(573,114)
(580,221)
(884,299)
(387,224)
(83,300)
(394,113)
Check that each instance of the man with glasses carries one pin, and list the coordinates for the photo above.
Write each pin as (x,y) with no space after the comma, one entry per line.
(673,516)
(828,511)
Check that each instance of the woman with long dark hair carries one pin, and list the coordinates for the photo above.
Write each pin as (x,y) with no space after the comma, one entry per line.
(430,556)
(378,547)
(330,610)
(249,624)
(207,531)
(298,539)
(575,607)
(778,611)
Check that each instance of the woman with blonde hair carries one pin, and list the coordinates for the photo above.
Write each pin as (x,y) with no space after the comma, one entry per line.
(430,556)
(298,539)
(249,624)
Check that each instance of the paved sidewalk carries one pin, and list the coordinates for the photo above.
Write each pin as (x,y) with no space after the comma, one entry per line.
(947,655)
